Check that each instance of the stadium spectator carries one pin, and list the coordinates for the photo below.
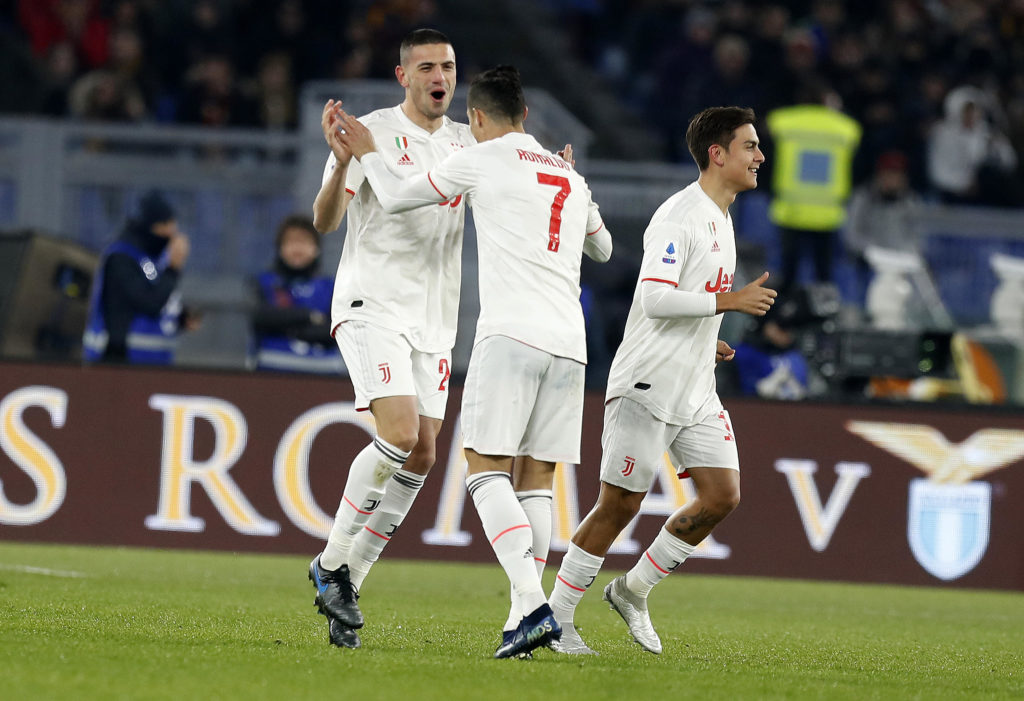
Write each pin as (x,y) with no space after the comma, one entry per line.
(275,92)
(79,22)
(214,98)
(59,77)
(884,211)
(969,160)
(135,311)
(292,320)
(101,95)
(768,361)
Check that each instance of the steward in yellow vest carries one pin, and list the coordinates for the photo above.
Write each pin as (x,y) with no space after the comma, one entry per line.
(813,149)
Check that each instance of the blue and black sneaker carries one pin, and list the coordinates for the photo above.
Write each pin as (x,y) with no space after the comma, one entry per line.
(536,629)
(507,638)
(341,635)
(335,594)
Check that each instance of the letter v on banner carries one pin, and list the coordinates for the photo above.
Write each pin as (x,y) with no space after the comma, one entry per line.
(820,523)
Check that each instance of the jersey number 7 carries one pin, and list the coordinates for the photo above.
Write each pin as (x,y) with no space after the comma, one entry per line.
(555,224)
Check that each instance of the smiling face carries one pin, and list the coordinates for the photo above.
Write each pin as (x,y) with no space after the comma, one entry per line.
(742,158)
(428,75)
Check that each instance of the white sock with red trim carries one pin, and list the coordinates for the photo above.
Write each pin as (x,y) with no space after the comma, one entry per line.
(367,477)
(509,534)
(536,505)
(665,554)
(578,571)
(401,492)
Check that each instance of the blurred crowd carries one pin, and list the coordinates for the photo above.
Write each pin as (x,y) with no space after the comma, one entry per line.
(937,81)
(211,62)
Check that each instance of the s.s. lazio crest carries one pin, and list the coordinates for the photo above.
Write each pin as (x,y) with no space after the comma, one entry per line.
(948,525)
(948,512)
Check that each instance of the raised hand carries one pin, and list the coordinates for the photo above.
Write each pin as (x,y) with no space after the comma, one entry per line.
(566,155)
(753,298)
(330,122)
(356,138)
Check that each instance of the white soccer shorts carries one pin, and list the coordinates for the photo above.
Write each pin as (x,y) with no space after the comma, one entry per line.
(520,400)
(382,363)
(634,442)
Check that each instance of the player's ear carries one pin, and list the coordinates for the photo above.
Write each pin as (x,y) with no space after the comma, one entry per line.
(526,111)
(716,155)
(400,75)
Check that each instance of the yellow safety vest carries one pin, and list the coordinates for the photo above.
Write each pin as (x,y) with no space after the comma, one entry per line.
(813,154)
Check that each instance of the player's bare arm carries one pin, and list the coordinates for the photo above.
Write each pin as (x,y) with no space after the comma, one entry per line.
(332,200)
(754,298)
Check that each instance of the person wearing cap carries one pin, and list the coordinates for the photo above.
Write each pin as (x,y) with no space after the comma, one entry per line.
(135,311)
(292,320)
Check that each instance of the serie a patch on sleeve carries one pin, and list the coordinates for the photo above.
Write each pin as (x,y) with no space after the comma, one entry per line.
(669,256)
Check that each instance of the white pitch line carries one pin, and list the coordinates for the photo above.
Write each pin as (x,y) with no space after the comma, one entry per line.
(27,569)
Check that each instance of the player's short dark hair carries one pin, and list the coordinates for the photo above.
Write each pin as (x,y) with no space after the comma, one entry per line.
(420,37)
(295,221)
(498,91)
(715,125)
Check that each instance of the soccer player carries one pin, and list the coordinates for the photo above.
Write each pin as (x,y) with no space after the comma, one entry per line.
(524,388)
(394,316)
(661,387)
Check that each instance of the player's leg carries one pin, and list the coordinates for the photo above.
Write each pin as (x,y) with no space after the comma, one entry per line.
(431,372)
(501,388)
(633,443)
(379,365)
(368,475)
(710,442)
(532,482)
(508,531)
(400,493)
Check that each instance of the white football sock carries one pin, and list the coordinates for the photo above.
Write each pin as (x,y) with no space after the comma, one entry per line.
(665,554)
(578,571)
(367,477)
(536,505)
(401,492)
(508,530)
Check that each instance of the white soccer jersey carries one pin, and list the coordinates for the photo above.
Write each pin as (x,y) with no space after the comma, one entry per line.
(533,213)
(402,271)
(668,365)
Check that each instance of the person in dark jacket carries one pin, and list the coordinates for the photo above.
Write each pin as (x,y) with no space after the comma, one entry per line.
(292,321)
(136,312)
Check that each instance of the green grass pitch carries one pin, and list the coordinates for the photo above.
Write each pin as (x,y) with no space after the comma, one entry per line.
(113,623)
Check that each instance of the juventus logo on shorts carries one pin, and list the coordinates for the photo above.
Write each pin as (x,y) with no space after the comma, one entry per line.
(628,469)
(385,373)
